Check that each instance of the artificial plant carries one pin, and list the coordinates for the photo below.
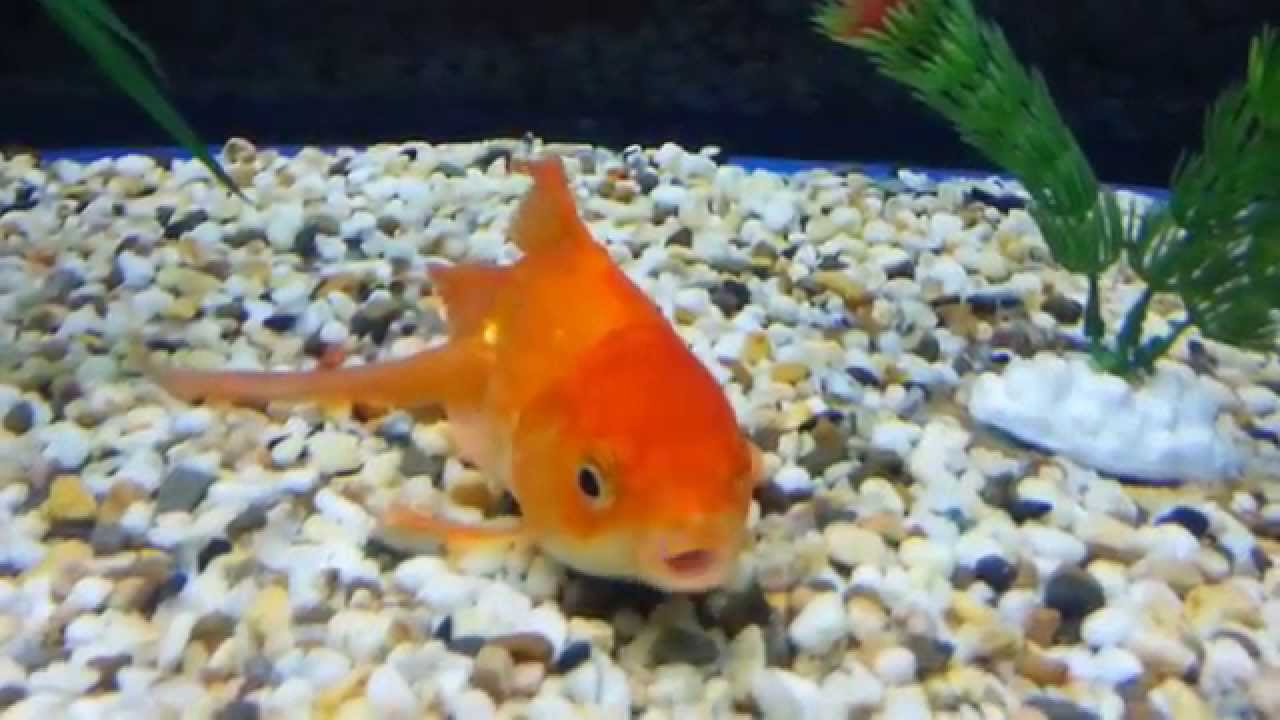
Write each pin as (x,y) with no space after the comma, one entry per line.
(1215,244)
(124,58)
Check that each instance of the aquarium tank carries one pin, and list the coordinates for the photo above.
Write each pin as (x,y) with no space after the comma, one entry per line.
(874,359)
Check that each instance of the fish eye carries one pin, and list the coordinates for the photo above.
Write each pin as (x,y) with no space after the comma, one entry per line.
(589,482)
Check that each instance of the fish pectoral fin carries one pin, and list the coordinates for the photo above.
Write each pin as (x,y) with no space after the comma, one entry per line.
(402,522)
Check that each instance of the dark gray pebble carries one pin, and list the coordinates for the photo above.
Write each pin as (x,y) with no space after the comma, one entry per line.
(20,418)
(731,296)
(244,236)
(932,654)
(59,284)
(600,598)
(863,376)
(250,519)
(239,710)
(1190,518)
(928,348)
(182,490)
(415,462)
(11,695)
(1059,709)
(1063,309)
(739,610)
(1024,509)
(573,655)
(683,645)
(996,572)
(165,590)
(185,224)
(107,539)
(1073,593)
(682,237)
(212,549)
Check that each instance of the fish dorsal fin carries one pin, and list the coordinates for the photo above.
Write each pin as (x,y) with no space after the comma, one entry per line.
(469,292)
(547,218)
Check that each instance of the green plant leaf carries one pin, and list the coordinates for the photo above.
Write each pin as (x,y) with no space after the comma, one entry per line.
(964,69)
(93,25)
(1217,242)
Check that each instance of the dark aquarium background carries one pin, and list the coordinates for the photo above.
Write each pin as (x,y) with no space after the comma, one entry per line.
(1132,77)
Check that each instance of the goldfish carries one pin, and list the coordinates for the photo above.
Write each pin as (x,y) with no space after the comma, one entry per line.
(565,385)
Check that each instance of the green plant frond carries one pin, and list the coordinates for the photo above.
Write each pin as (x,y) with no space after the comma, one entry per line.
(100,11)
(92,24)
(964,69)
(1217,242)
(1264,77)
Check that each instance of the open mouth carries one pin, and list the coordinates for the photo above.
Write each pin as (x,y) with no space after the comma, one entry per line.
(691,562)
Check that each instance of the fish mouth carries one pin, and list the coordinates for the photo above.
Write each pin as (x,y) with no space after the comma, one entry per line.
(690,562)
(691,571)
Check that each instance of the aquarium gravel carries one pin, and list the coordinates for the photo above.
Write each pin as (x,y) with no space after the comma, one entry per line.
(963,520)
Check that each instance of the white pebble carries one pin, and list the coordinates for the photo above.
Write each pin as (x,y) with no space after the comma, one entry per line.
(793,479)
(783,695)
(1107,626)
(896,665)
(820,625)
(389,694)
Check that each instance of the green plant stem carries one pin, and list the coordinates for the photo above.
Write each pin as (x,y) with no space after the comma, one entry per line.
(1144,358)
(1094,326)
(1130,335)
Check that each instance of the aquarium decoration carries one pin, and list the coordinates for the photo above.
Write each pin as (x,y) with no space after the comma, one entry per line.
(127,60)
(1214,244)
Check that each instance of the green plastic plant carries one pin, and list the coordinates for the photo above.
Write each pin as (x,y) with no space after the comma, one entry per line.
(124,58)
(1215,244)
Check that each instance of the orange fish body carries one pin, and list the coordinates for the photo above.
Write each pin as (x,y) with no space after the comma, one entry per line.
(565,384)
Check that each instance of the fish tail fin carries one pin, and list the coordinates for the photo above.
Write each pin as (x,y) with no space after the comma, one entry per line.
(446,374)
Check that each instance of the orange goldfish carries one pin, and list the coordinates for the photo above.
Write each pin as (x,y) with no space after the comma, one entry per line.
(565,384)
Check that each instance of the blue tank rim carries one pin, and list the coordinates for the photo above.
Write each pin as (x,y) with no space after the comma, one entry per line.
(779,165)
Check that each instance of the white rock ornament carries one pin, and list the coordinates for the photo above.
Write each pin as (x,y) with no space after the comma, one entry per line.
(1163,429)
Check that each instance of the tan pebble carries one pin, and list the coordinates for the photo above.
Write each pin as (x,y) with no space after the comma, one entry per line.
(129,593)
(525,647)
(270,610)
(1040,668)
(1028,712)
(1176,701)
(527,677)
(790,373)
(182,308)
(117,501)
(1028,577)
(331,699)
(1209,606)
(69,500)
(887,525)
(756,349)
(850,290)
(494,672)
(60,556)
(1042,626)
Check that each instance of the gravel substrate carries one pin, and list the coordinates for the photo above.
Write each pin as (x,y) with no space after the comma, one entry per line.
(164,560)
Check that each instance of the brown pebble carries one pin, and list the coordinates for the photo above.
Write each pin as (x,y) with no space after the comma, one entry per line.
(524,647)
(1042,626)
(1040,668)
